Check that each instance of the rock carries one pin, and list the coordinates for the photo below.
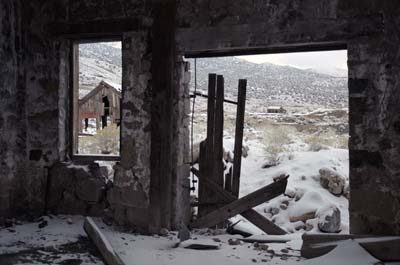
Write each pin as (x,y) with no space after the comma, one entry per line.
(291,193)
(261,247)
(268,165)
(233,241)
(43,224)
(163,232)
(274,211)
(8,222)
(346,191)
(184,233)
(11,230)
(299,195)
(245,151)
(217,240)
(332,180)
(285,250)
(303,217)
(285,202)
(329,219)
(308,227)
(299,226)
(69,221)
(283,206)
(280,176)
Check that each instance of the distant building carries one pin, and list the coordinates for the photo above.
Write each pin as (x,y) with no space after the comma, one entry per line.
(103,103)
(276,109)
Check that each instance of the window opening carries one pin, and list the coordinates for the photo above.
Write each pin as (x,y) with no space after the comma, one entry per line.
(97,98)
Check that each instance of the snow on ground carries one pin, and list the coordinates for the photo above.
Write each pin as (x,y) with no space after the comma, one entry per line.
(64,241)
(302,166)
(61,241)
(154,250)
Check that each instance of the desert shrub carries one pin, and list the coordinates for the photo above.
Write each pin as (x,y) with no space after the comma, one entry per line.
(106,141)
(326,139)
(276,140)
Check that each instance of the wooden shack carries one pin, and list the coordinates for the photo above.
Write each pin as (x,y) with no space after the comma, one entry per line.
(276,109)
(103,103)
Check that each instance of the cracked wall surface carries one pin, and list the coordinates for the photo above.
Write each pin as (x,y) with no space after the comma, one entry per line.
(132,179)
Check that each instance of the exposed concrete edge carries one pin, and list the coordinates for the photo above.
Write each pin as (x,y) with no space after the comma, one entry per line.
(103,245)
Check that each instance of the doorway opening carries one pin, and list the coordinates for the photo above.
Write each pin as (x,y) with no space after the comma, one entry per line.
(296,124)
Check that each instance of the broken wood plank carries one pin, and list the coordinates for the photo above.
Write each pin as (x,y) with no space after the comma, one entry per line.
(101,242)
(245,203)
(271,238)
(251,215)
(237,159)
(384,248)
(263,223)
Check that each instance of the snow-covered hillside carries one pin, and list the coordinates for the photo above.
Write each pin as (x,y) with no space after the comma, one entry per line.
(99,62)
(269,84)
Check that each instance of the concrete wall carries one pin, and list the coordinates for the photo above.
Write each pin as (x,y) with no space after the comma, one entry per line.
(11,109)
(370,31)
(35,117)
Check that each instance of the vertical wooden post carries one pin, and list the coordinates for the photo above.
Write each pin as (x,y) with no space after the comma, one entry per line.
(206,163)
(75,98)
(218,168)
(212,81)
(163,84)
(237,160)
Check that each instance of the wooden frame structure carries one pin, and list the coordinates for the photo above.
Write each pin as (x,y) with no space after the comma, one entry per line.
(219,192)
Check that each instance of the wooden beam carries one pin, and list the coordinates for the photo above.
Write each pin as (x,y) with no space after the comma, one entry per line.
(263,223)
(384,248)
(206,96)
(237,159)
(218,168)
(251,215)
(207,167)
(163,84)
(203,191)
(239,206)
(101,242)
(95,30)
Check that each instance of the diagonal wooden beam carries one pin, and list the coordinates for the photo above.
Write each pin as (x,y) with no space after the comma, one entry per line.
(251,215)
(241,205)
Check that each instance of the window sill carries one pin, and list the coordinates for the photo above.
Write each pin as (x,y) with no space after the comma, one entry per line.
(91,158)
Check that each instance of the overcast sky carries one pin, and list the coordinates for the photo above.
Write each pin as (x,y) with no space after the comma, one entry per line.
(324,60)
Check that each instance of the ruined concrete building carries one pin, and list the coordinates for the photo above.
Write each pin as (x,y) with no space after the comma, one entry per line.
(151,186)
